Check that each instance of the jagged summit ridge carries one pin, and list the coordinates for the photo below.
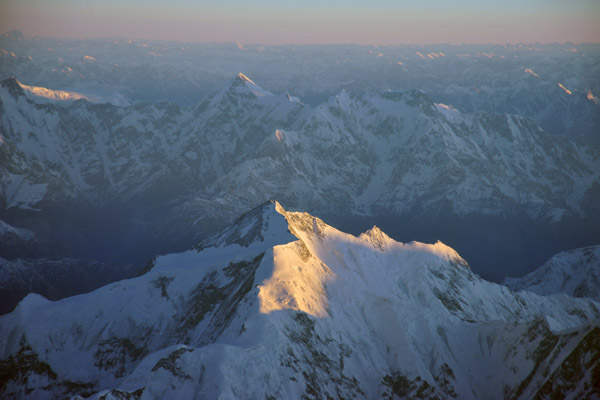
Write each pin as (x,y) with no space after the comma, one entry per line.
(271,224)
(377,237)
(244,79)
(241,84)
(40,94)
(265,223)
(316,311)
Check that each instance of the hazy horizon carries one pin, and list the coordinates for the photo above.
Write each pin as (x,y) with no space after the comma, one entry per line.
(233,42)
(266,22)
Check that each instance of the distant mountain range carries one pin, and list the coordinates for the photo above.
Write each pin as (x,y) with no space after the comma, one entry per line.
(281,305)
(160,177)
(556,85)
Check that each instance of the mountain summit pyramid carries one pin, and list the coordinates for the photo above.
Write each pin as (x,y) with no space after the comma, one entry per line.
(281,305)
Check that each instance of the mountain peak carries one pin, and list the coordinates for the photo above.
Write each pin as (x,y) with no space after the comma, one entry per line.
(310,310)
(244,79)
(376,237)
(265,223)
(17,88)
(241,84)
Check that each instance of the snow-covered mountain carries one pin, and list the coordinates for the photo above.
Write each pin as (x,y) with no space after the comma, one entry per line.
(574,272)
(282,305)
(414,166)
(419,168)
(522,79)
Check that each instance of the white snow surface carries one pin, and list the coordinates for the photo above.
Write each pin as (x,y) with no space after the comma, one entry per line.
(391,152)
(281,304)
(43,95)
(574,272)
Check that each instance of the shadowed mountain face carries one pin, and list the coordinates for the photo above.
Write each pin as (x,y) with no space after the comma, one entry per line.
(126,183)
(282,305)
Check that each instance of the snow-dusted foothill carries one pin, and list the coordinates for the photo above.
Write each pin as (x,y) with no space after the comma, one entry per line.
(282,305)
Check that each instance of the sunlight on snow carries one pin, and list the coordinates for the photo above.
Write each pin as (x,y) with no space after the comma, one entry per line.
(592,98)
(52,94)
(295,284)
(530,71)
(567,91)
(303,269)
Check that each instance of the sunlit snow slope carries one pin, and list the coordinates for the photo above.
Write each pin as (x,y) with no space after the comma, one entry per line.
(282,305)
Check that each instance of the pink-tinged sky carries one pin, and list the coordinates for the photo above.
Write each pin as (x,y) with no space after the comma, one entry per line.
(310,21)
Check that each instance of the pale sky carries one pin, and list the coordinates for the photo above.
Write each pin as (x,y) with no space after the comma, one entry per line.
(310,21)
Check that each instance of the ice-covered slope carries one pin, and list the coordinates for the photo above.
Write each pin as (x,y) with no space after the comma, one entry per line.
(574,272)
(281,305)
